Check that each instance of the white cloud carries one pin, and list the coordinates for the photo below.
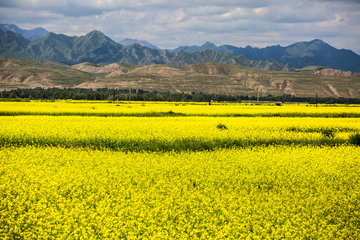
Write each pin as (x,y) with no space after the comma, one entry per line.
(178,15)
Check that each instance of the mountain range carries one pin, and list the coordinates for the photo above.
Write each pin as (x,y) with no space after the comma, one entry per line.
(298,55)
(30,35)
(97,48)
(129,41)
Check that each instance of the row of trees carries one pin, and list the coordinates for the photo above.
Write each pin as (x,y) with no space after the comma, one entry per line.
(141,95)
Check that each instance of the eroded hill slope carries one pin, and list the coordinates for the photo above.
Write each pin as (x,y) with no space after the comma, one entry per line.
(205,77)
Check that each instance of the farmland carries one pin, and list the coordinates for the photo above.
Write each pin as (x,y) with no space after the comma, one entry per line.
(146,109)
(147,170)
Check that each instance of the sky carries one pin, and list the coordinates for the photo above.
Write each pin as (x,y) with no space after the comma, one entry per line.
(169,24)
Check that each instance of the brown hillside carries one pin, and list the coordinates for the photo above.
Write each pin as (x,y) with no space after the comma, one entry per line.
(160,70)
(335,72)
(20,73)
(110,70)
(205,77)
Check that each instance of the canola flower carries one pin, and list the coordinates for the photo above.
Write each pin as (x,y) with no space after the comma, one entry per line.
(195,177)
(166,134)
(276,192)
(89,108)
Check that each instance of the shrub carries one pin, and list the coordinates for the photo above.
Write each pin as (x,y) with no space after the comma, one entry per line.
(328,132)
(355,139)
(222,126)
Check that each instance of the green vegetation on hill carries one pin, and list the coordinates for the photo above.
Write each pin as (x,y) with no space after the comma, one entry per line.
(312,69)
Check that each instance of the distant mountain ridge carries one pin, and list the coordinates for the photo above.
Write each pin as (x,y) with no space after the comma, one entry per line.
(298,55)
(93,47)
(30,35)
(97,48)
(129,41)
(194,48)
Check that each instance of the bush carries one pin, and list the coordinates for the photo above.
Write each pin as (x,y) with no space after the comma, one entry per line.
(328,132)
(355,139)
(222,126)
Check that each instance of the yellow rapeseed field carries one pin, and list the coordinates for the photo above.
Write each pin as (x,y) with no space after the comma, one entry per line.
(175,133)
(87,170)
(259,193)
(188,109)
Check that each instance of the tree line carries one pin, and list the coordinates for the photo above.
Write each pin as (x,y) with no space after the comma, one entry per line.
(142,95)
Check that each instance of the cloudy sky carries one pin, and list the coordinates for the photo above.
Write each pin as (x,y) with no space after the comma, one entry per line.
(169,24)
